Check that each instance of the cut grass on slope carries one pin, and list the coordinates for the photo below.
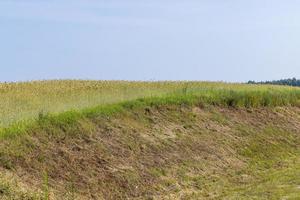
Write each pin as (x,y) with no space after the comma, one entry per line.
(162,151)
(183,141)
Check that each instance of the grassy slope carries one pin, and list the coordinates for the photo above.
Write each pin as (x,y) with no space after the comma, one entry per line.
(161,148)
(160,152)
(22,101)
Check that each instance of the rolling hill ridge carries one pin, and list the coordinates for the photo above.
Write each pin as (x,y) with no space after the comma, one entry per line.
(192,143)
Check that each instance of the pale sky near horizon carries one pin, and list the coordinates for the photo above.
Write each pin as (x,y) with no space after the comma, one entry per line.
(216,40)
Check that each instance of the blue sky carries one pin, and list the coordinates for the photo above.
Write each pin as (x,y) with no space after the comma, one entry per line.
(229,40)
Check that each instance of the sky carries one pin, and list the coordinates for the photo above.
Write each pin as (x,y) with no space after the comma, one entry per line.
(215,40)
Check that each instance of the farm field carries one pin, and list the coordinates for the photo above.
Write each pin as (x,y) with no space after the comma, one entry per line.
(26,100)
(73,139)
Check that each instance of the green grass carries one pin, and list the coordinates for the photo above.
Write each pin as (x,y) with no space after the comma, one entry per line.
(195,154)
(29,100)
(230,98)
(161,148)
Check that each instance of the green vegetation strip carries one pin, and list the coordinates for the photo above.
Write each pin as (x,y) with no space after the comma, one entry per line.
(216,97)
(28,100)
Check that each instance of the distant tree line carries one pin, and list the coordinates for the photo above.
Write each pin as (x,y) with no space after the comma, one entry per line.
(291,82)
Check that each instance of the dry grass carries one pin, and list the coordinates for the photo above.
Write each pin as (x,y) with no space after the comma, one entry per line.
(22,101)
(177,140)
(164,152)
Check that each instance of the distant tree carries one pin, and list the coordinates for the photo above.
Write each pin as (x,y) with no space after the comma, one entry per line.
(291,82)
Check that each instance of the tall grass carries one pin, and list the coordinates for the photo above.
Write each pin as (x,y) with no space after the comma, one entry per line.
(32,100)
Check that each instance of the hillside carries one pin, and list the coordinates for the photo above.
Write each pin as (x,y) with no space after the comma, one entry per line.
(27,100)
(187,141)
